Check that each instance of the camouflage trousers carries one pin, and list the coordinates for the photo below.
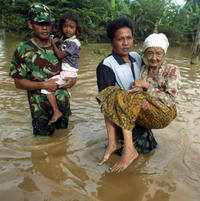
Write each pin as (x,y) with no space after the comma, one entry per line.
(42,112)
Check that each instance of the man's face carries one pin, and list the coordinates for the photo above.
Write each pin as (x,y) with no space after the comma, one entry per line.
(42,30)
(122,43)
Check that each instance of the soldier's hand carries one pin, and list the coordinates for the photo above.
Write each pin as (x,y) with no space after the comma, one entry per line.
(51,85)
(69,82)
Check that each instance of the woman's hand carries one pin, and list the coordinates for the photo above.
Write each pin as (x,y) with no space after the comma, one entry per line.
(141,84)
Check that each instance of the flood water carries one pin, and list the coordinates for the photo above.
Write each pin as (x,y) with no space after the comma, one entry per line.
(64,167)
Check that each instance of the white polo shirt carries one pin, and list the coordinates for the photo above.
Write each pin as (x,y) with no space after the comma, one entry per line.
(114,71)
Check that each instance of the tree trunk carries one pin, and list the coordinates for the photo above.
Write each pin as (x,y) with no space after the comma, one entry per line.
(196,47)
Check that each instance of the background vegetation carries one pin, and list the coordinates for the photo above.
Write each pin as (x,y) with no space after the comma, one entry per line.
(178,22)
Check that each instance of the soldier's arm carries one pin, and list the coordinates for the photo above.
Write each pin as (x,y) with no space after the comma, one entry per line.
(49,85)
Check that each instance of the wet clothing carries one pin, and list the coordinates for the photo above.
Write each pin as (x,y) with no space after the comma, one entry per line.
(113,71)
(124,108)
(35,63)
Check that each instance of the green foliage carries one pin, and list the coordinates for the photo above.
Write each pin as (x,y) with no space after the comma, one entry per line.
(178,22)
(146,14)
(191,18)
(172,21)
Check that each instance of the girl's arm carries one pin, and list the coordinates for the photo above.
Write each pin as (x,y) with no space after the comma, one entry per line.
(59,54)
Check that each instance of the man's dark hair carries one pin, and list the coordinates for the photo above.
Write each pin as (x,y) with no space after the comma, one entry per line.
(117,24)
(70,16)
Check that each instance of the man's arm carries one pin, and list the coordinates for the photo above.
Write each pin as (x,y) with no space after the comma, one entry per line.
(49,85)
(69,82)
(105,76)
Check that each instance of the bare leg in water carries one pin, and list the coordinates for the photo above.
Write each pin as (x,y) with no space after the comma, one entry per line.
(56,112)
(129,153)
(113,143)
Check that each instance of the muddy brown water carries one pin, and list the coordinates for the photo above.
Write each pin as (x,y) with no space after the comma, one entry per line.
(64,167)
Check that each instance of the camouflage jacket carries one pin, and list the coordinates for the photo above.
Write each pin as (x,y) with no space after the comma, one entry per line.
(36,63)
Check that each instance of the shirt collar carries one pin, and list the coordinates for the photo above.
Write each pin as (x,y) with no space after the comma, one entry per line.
(120,60)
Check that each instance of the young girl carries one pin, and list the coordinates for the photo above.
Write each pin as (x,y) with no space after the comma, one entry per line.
(69,53)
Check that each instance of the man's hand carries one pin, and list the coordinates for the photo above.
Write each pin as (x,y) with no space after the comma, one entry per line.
(50,85)
(135,89)
(69,82)
(145,105)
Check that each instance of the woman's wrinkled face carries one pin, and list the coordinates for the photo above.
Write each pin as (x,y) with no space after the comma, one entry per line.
(154,56)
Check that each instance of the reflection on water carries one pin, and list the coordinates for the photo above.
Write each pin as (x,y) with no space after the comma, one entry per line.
(64,167)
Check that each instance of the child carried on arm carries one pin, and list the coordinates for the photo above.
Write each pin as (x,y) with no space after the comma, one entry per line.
(69,53)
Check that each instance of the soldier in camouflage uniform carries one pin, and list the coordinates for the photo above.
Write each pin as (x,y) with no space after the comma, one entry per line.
(33,63)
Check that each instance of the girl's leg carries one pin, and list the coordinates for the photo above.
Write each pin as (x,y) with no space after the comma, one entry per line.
(129,153)
(113,143)
(56,112)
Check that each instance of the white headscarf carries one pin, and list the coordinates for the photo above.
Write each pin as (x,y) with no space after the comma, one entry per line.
(156,40)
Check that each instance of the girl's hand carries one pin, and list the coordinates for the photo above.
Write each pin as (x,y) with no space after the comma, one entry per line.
(56,40)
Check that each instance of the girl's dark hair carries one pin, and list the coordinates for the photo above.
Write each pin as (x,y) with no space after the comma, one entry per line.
(70,16)
(117,24)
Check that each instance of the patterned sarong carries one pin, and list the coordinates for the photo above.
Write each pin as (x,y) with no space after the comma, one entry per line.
(125,109)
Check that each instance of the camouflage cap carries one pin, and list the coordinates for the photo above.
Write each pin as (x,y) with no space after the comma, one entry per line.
(40,13)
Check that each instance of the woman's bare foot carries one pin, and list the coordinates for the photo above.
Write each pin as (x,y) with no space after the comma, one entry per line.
(55,117)
(126,159)
(108,152)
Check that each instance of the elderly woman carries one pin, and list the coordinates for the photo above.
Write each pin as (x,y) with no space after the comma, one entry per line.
(156,90)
